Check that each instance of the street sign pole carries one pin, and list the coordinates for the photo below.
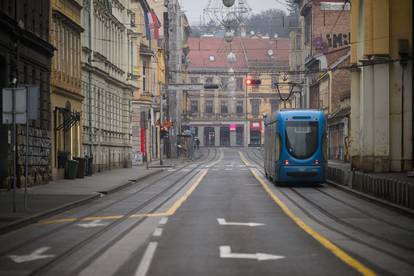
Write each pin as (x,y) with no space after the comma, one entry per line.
(161,125)
(14,147)
(26,160)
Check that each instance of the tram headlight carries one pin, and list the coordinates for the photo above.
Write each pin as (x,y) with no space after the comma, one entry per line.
(286,162)
(317,162)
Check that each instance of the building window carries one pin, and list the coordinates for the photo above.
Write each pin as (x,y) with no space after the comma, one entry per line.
(224,108)
(239,107)
(274,105)
(308,26)
(224,82)
(255,107)
(298,42)
(211,58)
(239,84)
(194,80)
(144,77)
(208,106)
(194,106)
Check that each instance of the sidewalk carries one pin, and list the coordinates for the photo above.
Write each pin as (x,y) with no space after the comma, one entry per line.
(393,189)
(61,195)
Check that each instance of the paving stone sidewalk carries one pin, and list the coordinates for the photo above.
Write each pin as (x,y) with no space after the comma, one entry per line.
(58,196)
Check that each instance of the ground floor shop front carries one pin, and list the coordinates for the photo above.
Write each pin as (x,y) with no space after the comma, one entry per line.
(228,134)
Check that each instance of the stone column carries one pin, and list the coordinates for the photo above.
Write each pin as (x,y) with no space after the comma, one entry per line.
(201,135)
(217,136)
(232,138)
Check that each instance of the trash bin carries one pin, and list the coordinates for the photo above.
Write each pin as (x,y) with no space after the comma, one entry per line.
(81,167)
(71,169)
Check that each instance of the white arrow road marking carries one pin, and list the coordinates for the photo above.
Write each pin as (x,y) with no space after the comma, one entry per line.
(91,224)
(225,252)
(222,221)
(35,255)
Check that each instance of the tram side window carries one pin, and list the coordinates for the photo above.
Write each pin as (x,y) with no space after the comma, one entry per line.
(277,143)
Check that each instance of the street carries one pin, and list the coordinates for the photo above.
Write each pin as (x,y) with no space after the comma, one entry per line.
(217,215)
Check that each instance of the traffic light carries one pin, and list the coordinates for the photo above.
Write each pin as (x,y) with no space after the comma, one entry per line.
(250,82)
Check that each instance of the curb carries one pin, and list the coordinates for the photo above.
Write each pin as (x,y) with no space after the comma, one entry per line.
(60,209)
(400,209)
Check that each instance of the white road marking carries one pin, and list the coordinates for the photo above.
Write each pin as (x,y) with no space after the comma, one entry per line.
(186,170)
(163,220)
(157,232)
(225,252)
(92,224)
(242,166)
(228,169)
(229,165)
(223,221)
(171,170)
(146,259)
(35,255)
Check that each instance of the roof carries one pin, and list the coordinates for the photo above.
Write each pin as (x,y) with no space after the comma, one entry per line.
(292,113)
(250,52)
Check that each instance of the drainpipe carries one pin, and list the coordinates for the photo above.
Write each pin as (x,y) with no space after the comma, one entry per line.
(90,77)
(412,87)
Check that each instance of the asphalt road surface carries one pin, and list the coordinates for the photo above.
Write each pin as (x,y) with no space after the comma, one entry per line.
(217,215)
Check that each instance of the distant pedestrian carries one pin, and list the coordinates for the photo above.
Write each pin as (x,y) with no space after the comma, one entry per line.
(197,141)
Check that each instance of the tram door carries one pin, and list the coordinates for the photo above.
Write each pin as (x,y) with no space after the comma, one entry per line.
(209,136)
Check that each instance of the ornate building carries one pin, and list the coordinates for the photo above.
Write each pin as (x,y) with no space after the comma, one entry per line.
(231,115)
(107,83)
(66,96)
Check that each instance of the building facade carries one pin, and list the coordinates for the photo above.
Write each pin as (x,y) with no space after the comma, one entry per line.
(325,37)
(177,61)
(25,59)
(150,72)
(107,67)
(66,92)
(381,91)
(232,113)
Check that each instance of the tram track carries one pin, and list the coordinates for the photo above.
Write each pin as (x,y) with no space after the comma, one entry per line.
(340,221)
(175,184)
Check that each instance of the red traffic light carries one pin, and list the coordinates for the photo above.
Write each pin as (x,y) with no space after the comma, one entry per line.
(253,82)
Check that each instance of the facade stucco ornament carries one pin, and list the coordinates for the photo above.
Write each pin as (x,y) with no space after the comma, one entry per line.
(231,58)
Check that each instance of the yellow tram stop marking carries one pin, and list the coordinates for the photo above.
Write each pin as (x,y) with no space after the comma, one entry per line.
(341,254)
(171,211)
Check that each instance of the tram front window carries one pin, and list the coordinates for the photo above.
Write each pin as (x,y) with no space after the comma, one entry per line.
(302,138)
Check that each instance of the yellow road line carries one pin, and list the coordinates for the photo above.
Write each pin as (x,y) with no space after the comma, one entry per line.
(180,201)
(342,255)
(171,211)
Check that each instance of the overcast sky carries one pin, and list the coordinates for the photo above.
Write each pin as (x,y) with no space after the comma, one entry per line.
(194,8)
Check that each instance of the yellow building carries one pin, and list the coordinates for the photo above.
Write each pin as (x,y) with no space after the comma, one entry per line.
(66,95)
(381,85)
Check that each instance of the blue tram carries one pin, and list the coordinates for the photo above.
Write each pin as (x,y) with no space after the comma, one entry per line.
(295,146)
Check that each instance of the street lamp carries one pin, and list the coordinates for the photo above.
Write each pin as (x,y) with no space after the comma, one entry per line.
(228,3)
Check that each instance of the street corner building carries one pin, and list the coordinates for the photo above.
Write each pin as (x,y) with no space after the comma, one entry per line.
(25,56)
(239,87)
(107,83)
